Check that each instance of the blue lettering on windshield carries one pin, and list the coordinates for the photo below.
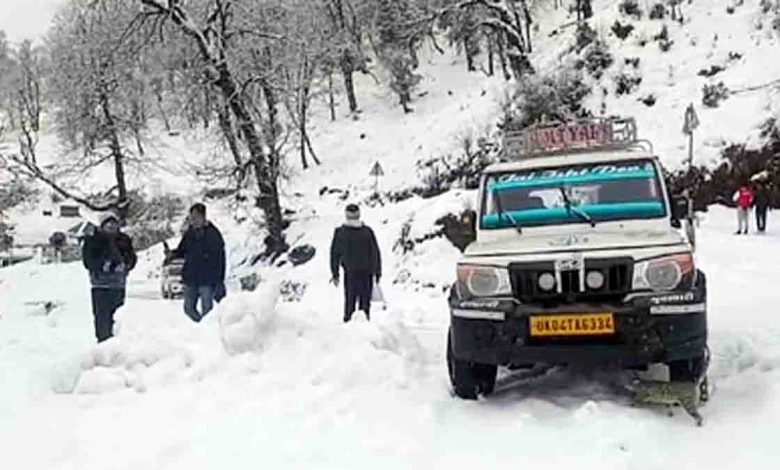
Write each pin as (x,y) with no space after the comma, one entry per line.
(565,177)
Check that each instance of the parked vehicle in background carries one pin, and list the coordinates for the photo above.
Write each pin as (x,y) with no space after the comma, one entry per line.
(171,282)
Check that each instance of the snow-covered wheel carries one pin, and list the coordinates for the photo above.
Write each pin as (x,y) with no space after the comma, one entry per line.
(487,378)
(468,379)
(690,370)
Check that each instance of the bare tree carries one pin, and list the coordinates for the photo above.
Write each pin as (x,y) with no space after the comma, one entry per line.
(348,19)
(27,93)
(97,90)
(218,40)
(307,47)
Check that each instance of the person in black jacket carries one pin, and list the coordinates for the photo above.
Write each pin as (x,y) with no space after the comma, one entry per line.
(354,248)
(203,273)
(108,254)
(762,202)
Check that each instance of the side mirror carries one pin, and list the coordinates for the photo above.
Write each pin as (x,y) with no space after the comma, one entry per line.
(679,208)
(469,219)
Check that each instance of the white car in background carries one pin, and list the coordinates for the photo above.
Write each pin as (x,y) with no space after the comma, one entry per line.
(171,283)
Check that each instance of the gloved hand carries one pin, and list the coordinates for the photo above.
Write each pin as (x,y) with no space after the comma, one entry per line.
(107,267)
(335,281)
(120,268)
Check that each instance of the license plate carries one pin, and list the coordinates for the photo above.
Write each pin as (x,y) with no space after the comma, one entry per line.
(573,325)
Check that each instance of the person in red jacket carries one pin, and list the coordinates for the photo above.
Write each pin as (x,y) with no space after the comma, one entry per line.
(744,199)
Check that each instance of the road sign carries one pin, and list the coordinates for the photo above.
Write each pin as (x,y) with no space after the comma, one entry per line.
(377,170)
(691,120)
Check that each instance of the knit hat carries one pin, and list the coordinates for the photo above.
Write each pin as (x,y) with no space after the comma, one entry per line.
(352,212)
(105,217)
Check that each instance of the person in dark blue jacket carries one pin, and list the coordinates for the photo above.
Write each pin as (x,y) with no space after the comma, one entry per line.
(203,273)
(108,254)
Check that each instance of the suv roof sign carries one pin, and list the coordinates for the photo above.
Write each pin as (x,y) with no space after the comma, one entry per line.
(559,137)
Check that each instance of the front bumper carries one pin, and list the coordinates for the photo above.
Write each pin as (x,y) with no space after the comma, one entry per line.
(648,329)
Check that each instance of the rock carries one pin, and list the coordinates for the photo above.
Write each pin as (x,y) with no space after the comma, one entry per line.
(301,254)
(250,282)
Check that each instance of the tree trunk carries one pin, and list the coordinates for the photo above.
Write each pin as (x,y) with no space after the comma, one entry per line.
(469,56)
(161,109)
(405,99)
(528,23)
(491,51)
(115,147)
(305,101)
(348,70)
(302,132)
(502,57)
(264,167)
(331,100)
(228,132)
(311,151)
(206,110)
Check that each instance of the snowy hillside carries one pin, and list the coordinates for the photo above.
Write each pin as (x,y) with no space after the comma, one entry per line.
(274,379)
(731,39)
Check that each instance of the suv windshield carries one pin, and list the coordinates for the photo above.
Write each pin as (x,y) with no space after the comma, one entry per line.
(599,192)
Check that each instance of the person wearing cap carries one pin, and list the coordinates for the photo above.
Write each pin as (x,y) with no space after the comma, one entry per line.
(109,256)
(203,273)
(354,248)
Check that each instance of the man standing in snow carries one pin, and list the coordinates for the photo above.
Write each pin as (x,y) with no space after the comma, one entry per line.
(744,200)
(203,273)
(108,255)
(762,203)
(355,249)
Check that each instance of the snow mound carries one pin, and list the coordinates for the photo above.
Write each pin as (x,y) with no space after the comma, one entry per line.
(247,320)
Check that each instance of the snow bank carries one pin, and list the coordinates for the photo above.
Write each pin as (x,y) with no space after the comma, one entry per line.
(246,321)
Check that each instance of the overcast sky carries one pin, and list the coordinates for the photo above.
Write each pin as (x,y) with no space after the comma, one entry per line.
(22,19)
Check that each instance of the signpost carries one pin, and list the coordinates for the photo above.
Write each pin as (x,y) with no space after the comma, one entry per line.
(690,123)
(376,172)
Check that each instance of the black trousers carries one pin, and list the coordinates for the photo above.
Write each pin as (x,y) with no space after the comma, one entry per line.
(104,305)
(357,290)
(761,218)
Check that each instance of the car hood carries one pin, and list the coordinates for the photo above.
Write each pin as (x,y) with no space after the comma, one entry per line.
(513,243)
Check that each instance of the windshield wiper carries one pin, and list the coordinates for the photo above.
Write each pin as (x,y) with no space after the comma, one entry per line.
(570,208)
(502,214)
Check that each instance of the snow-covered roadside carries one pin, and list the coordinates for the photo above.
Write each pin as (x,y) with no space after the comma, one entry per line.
(313,393)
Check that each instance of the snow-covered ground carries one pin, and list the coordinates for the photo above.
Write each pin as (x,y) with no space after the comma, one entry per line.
(278,384)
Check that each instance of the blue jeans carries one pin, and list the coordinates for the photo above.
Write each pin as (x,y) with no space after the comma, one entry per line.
(191,296)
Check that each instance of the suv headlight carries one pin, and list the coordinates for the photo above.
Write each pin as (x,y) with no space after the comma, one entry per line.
(664,274)
(482,281)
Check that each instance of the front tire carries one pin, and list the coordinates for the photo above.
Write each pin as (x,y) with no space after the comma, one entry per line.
(469,379)
(689,370)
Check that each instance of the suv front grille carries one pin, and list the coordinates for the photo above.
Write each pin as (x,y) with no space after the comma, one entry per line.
(617,274)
